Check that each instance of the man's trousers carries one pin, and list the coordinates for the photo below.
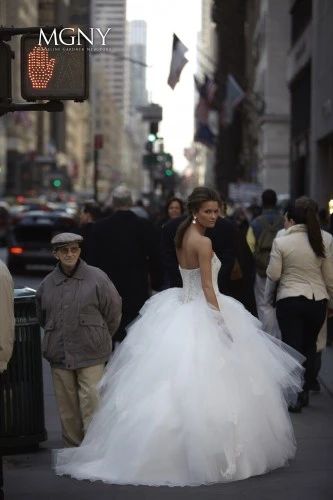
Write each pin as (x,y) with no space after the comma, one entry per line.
(77,399)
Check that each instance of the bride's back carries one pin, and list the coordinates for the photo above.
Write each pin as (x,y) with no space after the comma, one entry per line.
(188,254)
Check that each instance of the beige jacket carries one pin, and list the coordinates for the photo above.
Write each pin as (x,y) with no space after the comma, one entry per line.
(298,270)
(7,318)
(79,315)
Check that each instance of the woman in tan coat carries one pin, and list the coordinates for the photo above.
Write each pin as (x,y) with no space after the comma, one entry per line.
(302,263)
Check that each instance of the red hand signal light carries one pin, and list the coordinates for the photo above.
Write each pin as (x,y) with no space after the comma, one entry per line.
(53,71)
(40,67)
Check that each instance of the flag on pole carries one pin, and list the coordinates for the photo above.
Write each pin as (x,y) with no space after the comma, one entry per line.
(178,61)
(207,92)
(234,96)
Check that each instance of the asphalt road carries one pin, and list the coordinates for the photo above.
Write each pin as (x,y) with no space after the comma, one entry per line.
(30,280)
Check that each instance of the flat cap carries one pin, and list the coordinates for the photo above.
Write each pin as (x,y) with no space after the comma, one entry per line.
(63,239)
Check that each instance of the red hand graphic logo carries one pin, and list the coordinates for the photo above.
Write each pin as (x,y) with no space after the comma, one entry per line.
(40,67)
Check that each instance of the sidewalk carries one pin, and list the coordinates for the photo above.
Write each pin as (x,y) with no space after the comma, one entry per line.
(309,476)
(326,372)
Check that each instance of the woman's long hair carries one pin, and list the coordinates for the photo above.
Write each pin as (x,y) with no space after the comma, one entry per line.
(199,196)
(307,214)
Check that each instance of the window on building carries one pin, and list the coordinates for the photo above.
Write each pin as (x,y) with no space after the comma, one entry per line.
(301,15)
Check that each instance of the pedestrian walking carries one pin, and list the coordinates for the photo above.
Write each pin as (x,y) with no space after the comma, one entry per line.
(127,250)
(302,262)
(305,201)
(79,309)
(90,213)
(243,274)
(174,208)
(7,324)
(260,235)
(139,209)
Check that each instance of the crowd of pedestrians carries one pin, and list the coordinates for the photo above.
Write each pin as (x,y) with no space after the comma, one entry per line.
(278,265)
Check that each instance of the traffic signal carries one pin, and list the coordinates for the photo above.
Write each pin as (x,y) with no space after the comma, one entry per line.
(56,183)
(50,71)
(153,129)
(168,172)
(149,146)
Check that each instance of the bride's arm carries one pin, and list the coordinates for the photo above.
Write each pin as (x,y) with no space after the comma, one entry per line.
(205,262)
(205,253)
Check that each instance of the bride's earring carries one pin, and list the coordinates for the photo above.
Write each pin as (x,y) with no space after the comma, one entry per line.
(194,221)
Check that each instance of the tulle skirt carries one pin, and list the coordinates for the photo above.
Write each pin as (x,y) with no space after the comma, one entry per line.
(183,404)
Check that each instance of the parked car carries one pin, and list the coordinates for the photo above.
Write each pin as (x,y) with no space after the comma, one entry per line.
(29,245)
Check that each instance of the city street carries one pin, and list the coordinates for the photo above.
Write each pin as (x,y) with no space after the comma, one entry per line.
(309,477)
(29,280)
(168,147)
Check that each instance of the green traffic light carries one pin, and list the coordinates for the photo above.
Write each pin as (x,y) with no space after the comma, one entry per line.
(57,183)
(168,172)
(151,137)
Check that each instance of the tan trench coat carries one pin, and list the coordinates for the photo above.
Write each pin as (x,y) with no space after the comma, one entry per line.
(79,315)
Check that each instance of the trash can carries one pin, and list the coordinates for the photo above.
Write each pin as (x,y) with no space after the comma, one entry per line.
(21,385)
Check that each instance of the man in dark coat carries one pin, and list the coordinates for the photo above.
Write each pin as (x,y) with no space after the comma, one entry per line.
(90,213)
(126,249)
(223,241)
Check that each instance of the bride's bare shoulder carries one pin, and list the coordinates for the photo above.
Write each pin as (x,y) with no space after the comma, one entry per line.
(203,244)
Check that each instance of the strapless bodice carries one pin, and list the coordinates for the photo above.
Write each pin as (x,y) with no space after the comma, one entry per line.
(192,280)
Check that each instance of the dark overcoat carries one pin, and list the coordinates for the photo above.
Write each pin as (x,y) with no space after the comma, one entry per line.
(126,249)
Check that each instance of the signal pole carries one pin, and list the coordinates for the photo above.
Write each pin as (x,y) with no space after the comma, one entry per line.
(98,144)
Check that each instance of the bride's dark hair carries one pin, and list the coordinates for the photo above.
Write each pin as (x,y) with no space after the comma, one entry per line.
(199,196)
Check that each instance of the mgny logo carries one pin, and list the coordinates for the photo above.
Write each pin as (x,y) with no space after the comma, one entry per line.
(60,37)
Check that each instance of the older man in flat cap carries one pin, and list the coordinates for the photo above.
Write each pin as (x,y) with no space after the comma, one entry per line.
(79,309)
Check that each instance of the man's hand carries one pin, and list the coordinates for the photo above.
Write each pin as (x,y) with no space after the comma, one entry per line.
(40,67)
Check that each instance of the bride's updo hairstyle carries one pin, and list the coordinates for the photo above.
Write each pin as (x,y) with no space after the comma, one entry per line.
(199,196)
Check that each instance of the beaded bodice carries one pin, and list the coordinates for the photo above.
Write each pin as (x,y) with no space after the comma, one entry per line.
(192,280)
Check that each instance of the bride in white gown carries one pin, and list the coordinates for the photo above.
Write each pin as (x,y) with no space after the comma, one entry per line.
(197,393)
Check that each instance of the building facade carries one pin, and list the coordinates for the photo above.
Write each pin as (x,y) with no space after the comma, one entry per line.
(310,78)
(321,139)
(270,44)
(137,72)
(112,15)
(206,62)
(299,77)
(230,21)
(20,127)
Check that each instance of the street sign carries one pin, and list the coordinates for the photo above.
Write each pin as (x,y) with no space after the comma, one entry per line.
(53,71)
